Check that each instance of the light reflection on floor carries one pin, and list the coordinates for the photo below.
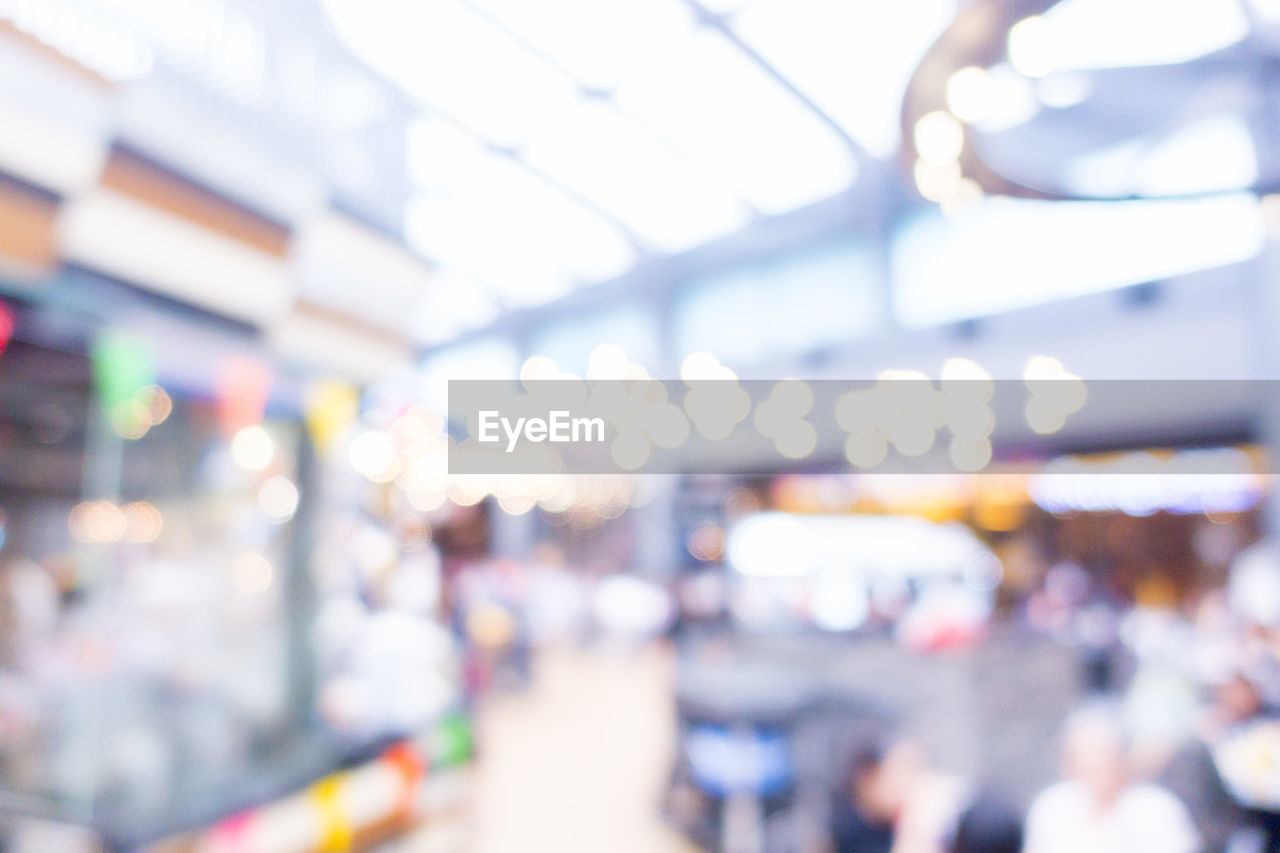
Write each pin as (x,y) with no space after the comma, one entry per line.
(579,762)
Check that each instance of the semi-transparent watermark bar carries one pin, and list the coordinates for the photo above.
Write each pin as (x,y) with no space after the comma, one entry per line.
(893,425)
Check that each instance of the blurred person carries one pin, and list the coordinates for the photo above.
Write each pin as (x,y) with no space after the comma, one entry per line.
(893,801)
(1099,806)
(1163,699)
(1193,777)
(557,599)
(1077,609)
(1097,634)
(945,813)
(991,823)
(930,812)
(29,609)
(1236,701)
(33,673)
(492,609)
(879,774)
(1222,666)
(1226,774)
(1253,588)
(1253,601)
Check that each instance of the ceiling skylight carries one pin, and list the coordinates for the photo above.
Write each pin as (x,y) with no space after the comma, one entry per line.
(453,304)
(1010,254)
(1212,155)
(667,201)
(1088,34)
(852,59)
(504,225)
(453,60)
(711,100)
(599,42)
(563,136)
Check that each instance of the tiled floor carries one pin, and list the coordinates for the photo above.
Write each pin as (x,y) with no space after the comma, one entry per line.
(579,761)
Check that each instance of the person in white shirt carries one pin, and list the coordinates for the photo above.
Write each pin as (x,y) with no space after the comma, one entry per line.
(1099,807)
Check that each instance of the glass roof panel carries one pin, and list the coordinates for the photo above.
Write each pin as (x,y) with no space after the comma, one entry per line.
(445,54)
(852,59)
(1211,155)
(442,157)
(452,305)
(714,103)
(599,42)
(723,7)
(1269,9)
(484,213)
(669,203)
(458,234)
(1015,253)
(1088,34)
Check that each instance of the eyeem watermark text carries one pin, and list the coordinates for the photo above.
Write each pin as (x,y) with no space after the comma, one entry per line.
(558,428)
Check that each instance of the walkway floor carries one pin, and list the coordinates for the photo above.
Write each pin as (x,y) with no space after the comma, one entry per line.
(579,761)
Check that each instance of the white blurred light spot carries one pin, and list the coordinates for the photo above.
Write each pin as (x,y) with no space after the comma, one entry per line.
(961,198)
(97,521)
(970,417)
(839,602)
(143,522)
(252,448)
(700,365)
(706,543)
(537,368)
(1011,101)
(252,573)
(607,361)
(939,137)
(963,378)
(970,453)
(794,396)
(373,454)
(1043,418)
(373,549)
(1041,367)
(796,440)
(427,501)
(278,498)
(667,427)
(516,504)
(1029,47)
(866,449)
(630,450)
(912,437)
(970,94)
(937,181)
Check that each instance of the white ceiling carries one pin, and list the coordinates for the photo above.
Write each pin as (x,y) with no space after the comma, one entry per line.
(563,140)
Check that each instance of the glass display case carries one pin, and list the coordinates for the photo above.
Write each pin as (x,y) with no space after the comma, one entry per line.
(200,614)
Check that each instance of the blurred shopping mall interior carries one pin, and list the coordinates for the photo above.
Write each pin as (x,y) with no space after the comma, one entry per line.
(928,359)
